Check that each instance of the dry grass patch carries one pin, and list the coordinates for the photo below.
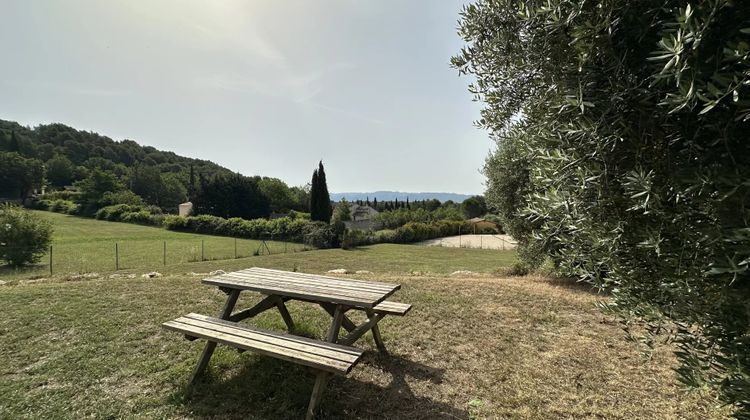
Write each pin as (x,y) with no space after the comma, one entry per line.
(472,347)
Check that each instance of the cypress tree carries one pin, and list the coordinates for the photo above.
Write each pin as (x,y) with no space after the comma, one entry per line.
(408,206)
(375,203)
(315,197)
(326,209)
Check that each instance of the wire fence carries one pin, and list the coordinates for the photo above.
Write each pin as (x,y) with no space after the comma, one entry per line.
(150,255)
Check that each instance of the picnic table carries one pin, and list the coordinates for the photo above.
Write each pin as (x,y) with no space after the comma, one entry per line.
(335,295)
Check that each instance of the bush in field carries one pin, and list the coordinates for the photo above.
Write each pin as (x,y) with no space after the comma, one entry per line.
(282,229)
(111,198)
(24,236)
(416,232)
(321,235)
(114,213)
(392,219)
(355,238)
(61,195)
(141,217)
(63,206)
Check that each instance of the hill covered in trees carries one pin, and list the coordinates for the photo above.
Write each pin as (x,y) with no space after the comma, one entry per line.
(56,155)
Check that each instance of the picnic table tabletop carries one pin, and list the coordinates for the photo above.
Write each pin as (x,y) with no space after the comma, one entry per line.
(310,287)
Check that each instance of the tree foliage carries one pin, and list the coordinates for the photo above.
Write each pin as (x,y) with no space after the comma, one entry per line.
(474,206)
(94,190)
(231,196)
(623,155)
(19,176)
(343,211)
(60,171)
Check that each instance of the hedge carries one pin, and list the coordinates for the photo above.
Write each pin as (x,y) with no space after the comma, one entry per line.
(56,205)
(283,228)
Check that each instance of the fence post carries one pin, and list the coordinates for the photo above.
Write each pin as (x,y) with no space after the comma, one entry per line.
(202,255)
(165,253)
(235,248)
(50,260)
(117,257)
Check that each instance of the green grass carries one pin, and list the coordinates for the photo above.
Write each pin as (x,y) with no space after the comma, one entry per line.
(480,347)
(472,347)
(82,245)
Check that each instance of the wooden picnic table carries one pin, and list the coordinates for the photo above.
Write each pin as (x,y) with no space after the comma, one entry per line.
(335,295)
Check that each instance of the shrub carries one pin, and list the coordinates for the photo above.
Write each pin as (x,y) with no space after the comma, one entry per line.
(141,217)
(24,236)
(39,205)
(172,222)
(283,228)
(416,232)
(294,214)
(355,238)
(111,198)
(321,235)
(63,206)
(114,213)
(61,195)
(519,268)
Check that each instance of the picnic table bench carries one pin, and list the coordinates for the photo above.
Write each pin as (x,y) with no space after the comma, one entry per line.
(335,295)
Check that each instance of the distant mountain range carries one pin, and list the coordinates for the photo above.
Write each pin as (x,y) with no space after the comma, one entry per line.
(401,196)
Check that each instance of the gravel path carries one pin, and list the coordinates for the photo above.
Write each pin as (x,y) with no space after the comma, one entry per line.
(473,241)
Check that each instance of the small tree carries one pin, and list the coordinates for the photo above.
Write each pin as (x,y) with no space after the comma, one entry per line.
(24,236)
(474,206)
(343,211)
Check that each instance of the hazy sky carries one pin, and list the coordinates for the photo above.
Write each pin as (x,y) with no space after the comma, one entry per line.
(261,87)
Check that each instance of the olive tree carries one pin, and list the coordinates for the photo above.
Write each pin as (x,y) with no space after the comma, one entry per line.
(623,126)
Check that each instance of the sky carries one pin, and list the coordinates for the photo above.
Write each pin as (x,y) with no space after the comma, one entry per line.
(262,87)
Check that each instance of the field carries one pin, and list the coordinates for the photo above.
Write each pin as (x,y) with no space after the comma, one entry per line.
(482,346)
(83,245)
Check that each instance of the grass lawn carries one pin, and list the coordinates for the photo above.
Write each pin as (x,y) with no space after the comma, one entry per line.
(472,347)
(82,245)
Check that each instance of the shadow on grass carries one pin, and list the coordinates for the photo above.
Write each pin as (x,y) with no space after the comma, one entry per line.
(264,387)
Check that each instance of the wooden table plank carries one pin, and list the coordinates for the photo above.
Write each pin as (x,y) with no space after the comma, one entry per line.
(310,287)
(364,284)
(313,288)
(260,347)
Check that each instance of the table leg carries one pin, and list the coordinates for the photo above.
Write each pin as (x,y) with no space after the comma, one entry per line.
(285,314)
(320,385)
(322,378)
(338,318)
(376,333)
(345,322)
(267,303)
(208,351)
